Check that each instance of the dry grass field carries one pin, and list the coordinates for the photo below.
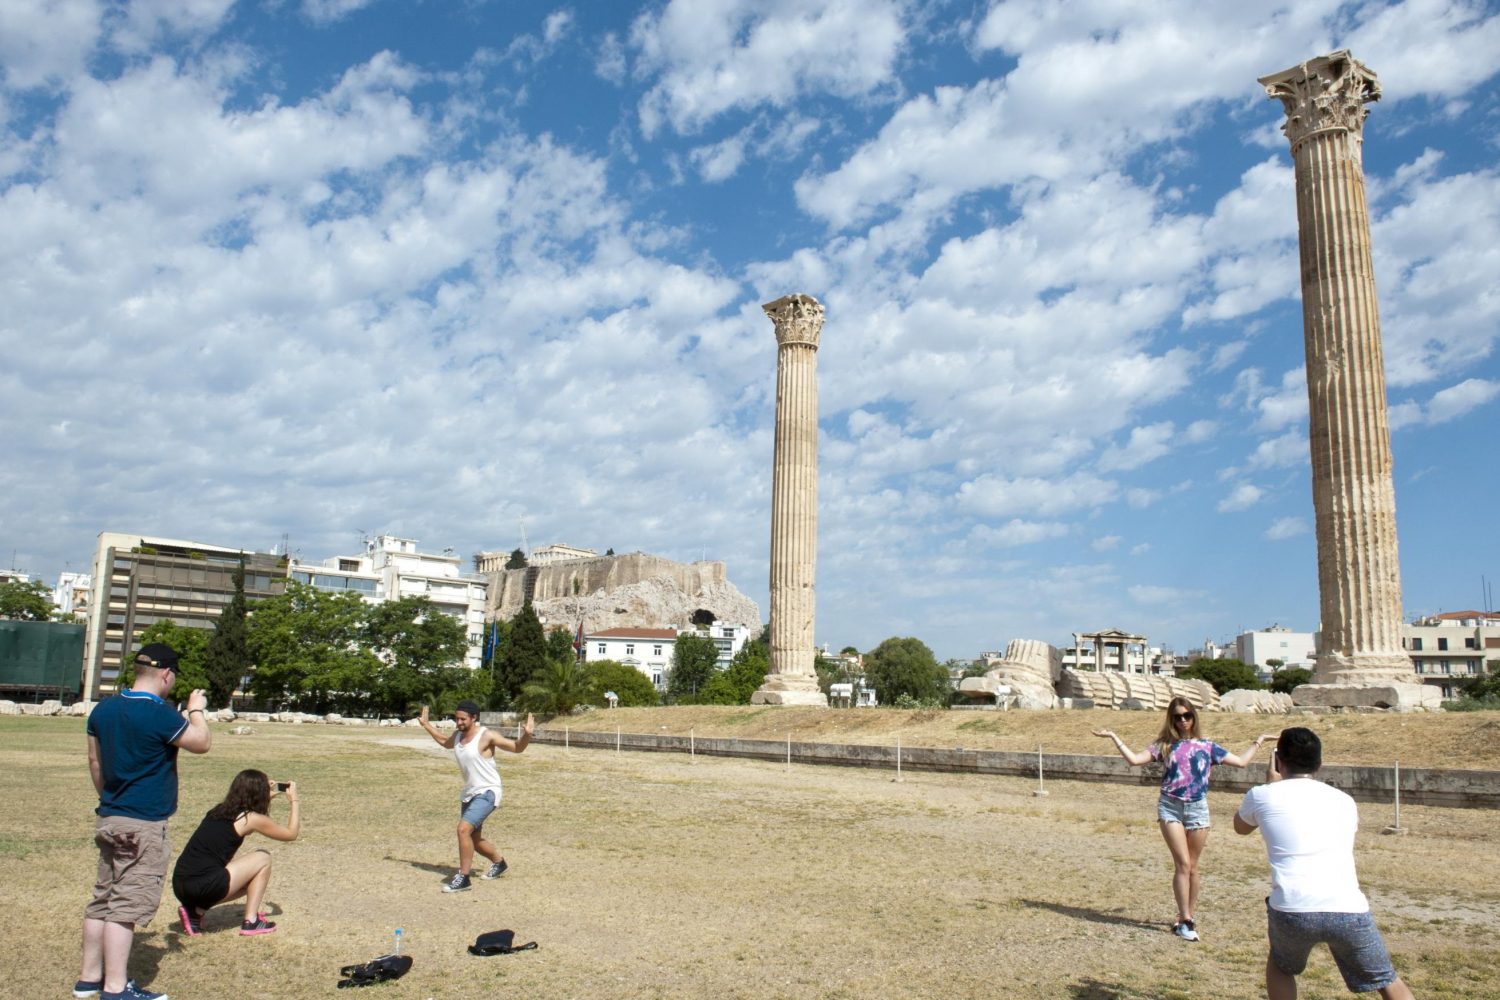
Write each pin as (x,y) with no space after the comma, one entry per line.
(652,875)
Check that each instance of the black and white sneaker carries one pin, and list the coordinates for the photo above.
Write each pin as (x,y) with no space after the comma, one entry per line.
(458,883)
(496,870)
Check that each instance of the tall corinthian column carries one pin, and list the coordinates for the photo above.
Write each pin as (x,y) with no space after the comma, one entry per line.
(794,504)
(1360,660)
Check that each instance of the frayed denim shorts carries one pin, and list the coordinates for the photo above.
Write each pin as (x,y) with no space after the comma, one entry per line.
(1358,949)
(1192,815)
(476,810)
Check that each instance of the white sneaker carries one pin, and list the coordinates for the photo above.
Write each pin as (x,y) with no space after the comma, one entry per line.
(1185,930)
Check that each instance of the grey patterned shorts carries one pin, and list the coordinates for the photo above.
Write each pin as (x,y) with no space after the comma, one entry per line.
(1358,949)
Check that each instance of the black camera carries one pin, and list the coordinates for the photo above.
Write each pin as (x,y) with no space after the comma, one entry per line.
(282,786)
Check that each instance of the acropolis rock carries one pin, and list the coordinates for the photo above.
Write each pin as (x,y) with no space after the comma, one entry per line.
(1109,688)
(635,589)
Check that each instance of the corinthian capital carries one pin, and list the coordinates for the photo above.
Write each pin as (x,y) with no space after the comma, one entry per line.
(1323,94)
(798,319)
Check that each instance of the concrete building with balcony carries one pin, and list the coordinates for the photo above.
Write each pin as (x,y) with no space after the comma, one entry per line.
(1448,648)
(138,580)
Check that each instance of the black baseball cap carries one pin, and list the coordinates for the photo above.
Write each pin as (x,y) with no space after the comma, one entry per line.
(158,655)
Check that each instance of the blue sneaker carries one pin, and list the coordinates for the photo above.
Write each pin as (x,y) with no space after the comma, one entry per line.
(496,870)
(133,992)
(91,987)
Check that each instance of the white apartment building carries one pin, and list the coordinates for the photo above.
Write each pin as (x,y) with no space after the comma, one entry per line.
(729,638)
(391,568)
(1454,646)
(648,650)
(1293,649)
(71,595)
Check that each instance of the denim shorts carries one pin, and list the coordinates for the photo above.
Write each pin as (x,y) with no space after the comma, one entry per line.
(1192,815)
(1358,949)
(476,810)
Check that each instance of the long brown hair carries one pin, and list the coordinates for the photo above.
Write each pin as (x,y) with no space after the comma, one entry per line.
(1168,734)
(249,792)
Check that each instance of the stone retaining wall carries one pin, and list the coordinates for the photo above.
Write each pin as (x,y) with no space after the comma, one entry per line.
(1419,786)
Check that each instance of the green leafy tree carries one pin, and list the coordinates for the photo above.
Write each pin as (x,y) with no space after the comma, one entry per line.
(556,689)
(28,601)
(517,560)
(1224,675)
(1275,664)
(1483,688)
(522,656)
(227,659)
(905,666)
(560,645)
(309,650)
(1289,678)
(416,644)
(849,651)
(633,688)
(191,645)
(693,660)
(742,678)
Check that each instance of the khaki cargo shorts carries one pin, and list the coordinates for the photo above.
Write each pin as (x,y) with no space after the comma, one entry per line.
(133,856)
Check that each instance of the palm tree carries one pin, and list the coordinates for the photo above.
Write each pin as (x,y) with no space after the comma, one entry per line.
(557,687)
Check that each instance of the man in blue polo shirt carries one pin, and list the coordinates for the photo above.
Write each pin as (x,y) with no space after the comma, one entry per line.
(133,742)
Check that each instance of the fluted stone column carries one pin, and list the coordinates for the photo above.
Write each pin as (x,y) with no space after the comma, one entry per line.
(794,505)
(1360,660)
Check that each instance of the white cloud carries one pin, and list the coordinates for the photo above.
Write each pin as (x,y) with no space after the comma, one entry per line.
(996,496)
(1286,527)
(1105,543)
(710,57)
(46,40)
(1018,532)
(1454,401)
(1150,594)
(1288,449)
(326,12)
(1146,444)
(1242,497)
(1200,431)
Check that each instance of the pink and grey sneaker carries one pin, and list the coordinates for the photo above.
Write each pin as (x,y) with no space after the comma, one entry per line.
(260,925)
(192,921)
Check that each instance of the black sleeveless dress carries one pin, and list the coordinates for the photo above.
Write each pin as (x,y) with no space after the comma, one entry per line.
(201,878)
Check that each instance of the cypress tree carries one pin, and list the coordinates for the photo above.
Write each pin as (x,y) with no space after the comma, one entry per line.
(227,659)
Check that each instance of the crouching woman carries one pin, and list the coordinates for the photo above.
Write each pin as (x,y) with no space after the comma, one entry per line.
(207,871)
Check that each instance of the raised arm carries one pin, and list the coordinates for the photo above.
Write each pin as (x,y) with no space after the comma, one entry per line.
(1244,759)
(520,743)
(268,827)
(197,737)
(435,732)
(1132,757)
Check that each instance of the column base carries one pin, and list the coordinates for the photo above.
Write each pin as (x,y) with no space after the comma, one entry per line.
(1364,669)
(1394,696)
(790,689)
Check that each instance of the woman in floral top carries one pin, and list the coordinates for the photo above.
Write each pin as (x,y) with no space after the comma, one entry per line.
(1182,809)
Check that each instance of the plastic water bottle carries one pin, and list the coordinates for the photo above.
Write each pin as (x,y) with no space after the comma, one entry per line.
(398,942)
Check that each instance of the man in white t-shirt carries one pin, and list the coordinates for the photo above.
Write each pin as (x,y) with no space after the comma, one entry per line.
(1308,828)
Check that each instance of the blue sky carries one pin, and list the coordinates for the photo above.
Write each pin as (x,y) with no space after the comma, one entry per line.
(335,267)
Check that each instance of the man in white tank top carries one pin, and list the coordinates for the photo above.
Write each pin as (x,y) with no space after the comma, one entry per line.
(474,747)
